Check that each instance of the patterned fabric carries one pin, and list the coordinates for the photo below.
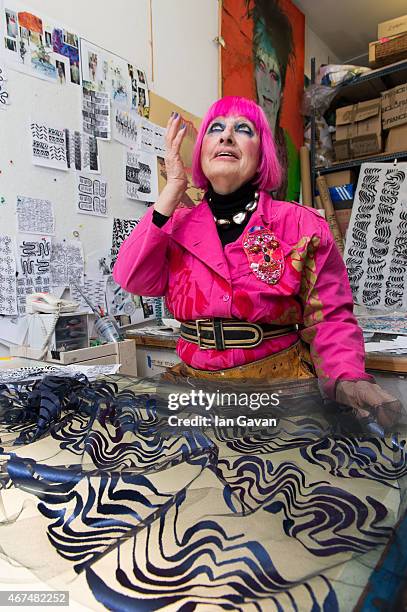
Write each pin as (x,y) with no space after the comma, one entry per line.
(130,515)
(184,261)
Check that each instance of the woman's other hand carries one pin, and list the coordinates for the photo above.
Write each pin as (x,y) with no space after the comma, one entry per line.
(368,398)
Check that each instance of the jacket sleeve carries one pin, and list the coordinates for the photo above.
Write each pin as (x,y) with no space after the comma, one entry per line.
(142,264)
(335,338)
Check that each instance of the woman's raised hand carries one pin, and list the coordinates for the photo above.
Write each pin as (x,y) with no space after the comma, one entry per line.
(177,180)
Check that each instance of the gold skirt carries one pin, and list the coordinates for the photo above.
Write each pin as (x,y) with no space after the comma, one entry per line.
(292,363)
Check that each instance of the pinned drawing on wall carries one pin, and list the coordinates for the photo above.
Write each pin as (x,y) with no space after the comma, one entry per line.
(118,300)
(4,92)
(375,252)
(37,46)
(126,126)
(140,99)
(67,264)
(82,152)
(33,267)
(35,216)
(91,195)
(8,287)
(48,146)
(104,71)
(95,291)
(122,228)
(152,138)
(96,113)
(141,176)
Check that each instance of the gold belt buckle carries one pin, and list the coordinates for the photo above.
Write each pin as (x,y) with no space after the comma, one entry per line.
(198,333)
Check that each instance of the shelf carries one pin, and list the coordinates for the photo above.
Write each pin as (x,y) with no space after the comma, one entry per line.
(353,163)
(370,85)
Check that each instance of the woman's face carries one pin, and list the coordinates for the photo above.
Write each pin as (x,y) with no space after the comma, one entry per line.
(230,152)
(268,84)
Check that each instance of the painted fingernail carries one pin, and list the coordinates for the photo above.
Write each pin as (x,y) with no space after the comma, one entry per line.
(183,126)
(172,114)
(175,115)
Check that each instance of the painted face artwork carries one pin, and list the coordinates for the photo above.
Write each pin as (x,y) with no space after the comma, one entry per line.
(268,83)
(230,152)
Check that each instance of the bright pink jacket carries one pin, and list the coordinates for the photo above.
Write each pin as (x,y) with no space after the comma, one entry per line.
(184,260)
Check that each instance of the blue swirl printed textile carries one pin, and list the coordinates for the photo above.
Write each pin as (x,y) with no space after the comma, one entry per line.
(100,497)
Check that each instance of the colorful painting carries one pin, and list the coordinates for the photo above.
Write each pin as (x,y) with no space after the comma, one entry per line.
(263,59)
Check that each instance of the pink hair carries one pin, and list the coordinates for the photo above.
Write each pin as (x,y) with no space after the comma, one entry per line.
(269,171)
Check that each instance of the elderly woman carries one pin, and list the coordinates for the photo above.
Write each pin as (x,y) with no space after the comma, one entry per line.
(253,280)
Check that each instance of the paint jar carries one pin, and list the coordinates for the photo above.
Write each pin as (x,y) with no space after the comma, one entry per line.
(107,329)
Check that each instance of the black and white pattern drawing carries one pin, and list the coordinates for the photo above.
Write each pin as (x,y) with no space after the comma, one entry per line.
(4,93)
(82,151)
(96,113)
(376,246)
(91,195)
(118,300)
(152,138)
(122,228)
(8,290)
(126,126)
(67,263)
(35,216)
(141,176)
(33,267)
(95,291)
(48,146)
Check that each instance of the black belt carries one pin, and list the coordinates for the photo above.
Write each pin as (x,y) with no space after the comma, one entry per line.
(221,334)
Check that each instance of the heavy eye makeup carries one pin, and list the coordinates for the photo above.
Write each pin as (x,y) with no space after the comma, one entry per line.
(239,126)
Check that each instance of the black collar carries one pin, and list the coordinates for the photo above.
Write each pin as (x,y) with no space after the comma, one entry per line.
(226,205)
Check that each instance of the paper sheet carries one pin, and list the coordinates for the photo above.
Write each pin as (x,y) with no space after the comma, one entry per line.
(96,113)
(126,126)
(11,376)
(82,152)
(396,346)
(118,301)
(13,330)
(95,291)
(152,138)
(141,176)
(38,46)
(48,146)
(8,291)
(140,99)
(33,266)
(385,324)
(4,93)
(122,228)
(376,245)
(67,263)
(91,195)
(35,216)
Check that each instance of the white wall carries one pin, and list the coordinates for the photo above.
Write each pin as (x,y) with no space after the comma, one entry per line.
(315,47)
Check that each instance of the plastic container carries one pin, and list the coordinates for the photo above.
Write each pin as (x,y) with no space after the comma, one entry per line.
(107,329)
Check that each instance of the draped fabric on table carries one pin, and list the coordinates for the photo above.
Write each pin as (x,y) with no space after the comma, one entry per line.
(97,490)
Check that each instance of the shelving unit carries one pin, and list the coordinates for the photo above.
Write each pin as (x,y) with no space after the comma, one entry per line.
(359,89)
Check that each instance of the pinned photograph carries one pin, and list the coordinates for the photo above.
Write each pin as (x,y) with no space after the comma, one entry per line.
(60,66)
(11,23)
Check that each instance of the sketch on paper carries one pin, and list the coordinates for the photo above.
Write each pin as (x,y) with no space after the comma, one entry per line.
(35,216)
(141,176)
(106,72)
(95,291)
(33,267)
(4,94)
(376,244)
(96,113)
(82,151)
(91,195)
(39,47)
(8,287)
(118,301)
(122,228)
(48,146)
(67,263)
(126,126)
(152,138)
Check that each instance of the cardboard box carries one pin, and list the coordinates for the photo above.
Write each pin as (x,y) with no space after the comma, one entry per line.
(344,177)
(394,107)
(397,139)
(358,130)
(388,51)
(392,27)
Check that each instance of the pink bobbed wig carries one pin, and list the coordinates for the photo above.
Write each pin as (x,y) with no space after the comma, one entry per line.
(269,171)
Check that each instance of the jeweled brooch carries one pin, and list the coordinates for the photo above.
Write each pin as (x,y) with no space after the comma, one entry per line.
(265,255)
